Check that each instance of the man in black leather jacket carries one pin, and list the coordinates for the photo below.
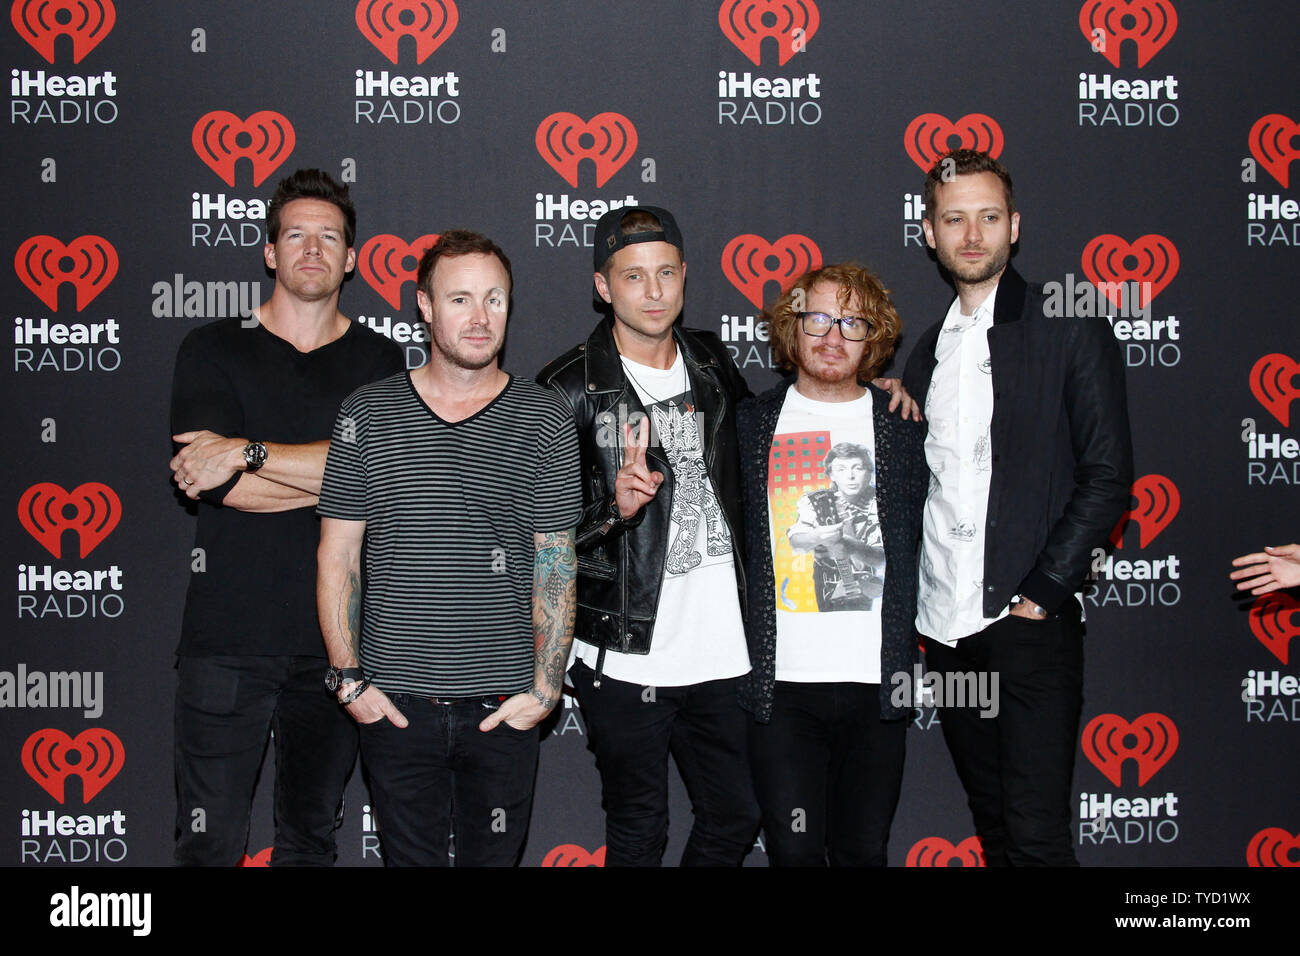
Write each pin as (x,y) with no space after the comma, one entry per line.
(659,640)
(1031,464)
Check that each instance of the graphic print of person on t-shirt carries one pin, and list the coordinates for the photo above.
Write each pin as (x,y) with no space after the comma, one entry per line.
(837,522)
(698,534)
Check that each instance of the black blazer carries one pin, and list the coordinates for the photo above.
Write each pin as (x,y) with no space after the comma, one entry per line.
(1061,452)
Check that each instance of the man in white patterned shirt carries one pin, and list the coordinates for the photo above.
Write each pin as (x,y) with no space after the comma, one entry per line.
(1031,464)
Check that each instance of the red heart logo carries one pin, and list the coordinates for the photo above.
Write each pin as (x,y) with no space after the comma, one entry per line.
(47,758)
(88,262)
(388,262)
(42,510)
(1150,24)
(930,136)
(1155,739)
(746,23)
(1275,142)
(385,22)
(570,854)
(564,140)
(1273,380)
(936,851)
(1154,265)
(265,139)
(261,858)
(1274,620)
(1273,846)
(86,21)
(749,262)
(1157,505)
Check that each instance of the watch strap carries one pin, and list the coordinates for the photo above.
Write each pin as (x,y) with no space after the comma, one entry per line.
(357,690)
(335,677)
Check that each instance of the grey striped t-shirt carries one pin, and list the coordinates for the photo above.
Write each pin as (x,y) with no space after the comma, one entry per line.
(450,512)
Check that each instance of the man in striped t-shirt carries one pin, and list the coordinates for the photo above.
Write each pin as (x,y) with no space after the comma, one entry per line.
(461,482)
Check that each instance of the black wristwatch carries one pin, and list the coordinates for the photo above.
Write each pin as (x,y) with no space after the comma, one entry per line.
(336,677)
(254,455)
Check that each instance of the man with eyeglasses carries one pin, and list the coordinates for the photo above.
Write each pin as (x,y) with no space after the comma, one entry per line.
(832,490)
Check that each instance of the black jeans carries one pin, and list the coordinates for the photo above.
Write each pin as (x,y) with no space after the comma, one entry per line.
(442,773)
(225,708)
(632,729)
(1017,767)
(828,772)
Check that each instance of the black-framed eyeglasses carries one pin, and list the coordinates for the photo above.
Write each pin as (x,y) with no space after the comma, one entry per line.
(852,327)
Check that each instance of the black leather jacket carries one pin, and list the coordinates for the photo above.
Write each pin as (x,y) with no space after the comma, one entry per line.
(621,563)
(1062,455)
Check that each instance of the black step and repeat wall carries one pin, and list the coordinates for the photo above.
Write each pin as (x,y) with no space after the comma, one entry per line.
(1151,141)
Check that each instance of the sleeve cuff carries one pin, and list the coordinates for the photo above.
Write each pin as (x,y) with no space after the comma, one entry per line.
(1044,590)
(215,496)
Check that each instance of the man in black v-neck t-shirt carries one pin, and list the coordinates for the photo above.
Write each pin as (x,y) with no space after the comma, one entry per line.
(253,405)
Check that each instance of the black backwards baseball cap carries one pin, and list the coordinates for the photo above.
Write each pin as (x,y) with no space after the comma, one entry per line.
(610,238)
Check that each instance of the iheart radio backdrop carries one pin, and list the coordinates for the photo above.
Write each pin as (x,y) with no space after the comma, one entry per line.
(1151,141)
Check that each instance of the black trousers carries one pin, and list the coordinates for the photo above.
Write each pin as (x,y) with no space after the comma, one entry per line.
(828,772)
(226,708)
(632,729)
(1017,767)
(442,775)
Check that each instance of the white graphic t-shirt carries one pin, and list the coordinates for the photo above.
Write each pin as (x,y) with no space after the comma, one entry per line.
(828,552)
(698,633)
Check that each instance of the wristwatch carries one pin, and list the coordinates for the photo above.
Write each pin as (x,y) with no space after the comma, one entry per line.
(335,677)
(1037,609)
(254,455)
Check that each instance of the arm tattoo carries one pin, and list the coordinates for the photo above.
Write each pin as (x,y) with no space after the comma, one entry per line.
(352,620)
(555,589)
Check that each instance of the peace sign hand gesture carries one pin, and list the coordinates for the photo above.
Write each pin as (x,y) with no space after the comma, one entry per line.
(635,484)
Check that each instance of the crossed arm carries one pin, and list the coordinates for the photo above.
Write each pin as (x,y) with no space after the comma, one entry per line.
(290,478)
